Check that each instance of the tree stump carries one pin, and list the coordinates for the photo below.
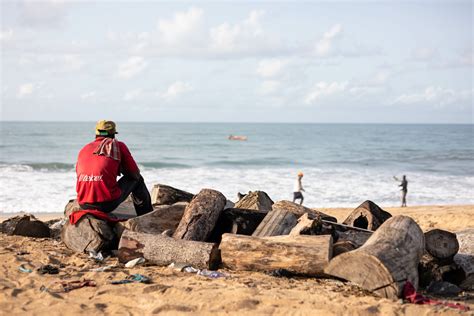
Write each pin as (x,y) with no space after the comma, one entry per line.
(25,225)
(165,195)
(386,261)
(279,222)
(368,215)
(257,200)
(200,216)
(236,221)
(164,250)
(307,255)
(89,234)
(441,244)
(299,210)
(465,257)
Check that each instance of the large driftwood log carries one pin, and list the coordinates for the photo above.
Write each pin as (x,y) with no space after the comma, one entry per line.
(465,257)
(89,234)
(236,221)
(163,250)
(441,244)
(275,223)
(165,195)
(25,225)
(368,215)
(302,254)
(386,261)
(299,210)
(163,217)
(257,200)
(201,215)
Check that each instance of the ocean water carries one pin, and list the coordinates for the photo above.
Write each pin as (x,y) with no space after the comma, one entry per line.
(344,164)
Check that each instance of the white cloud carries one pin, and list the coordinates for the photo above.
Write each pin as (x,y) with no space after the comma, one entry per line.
(132,95)
(176,89)
(325,46)
(6,35)
(246,35)
(423,53)
(181,26)
(324,89)
(269,86)
(43,13)
(131,67)
(25,90)
(270,67)
(434,95)
(89,95)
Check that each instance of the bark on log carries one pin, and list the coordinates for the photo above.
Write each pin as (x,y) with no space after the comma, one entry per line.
(236,221)
(358,238)
(163,217)
(341,247)
(165,195)
(89,234)
(307,255)
(200,216)
(275,223)
(441,244)
(368,215)
(465,257)
(163,250)
(257,200)
(25,225)
(299,210)
(386,261)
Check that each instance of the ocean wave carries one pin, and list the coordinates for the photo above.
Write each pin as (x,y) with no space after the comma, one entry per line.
(161,165)
(47,166)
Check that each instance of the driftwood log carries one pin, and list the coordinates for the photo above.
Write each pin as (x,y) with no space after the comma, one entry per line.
(356,237)
(165,195)
(25,225)
(236,221)
(164,250)
(305,226)
(341,247)
(275,223)
(431,269)
(465,257)
(89,234)
(386,261)
(257,200)
(441,244)
(200,216)
(368,215)
(163,217)
(299,210)
(307,255)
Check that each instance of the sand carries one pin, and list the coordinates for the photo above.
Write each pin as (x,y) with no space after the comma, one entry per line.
(174,292)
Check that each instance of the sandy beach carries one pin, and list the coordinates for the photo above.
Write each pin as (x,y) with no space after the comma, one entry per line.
(174,292)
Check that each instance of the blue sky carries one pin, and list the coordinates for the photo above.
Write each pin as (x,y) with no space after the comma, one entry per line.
(388,62)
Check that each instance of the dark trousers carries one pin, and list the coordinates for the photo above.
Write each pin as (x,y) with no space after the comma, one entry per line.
(140,196)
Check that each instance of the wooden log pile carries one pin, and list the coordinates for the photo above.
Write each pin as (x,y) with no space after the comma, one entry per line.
(370,248)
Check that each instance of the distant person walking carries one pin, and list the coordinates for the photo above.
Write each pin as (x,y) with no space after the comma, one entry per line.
(298,188)
(404,189)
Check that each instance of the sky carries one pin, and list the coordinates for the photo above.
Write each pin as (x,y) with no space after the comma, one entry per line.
(237,61)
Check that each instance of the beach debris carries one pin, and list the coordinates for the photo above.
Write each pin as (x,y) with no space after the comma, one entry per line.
(96,255)
(134,262)
(306,255)
(67,286)
(410,295)
(23,269)
(166,195)
(190,269)
(256,200)
(178,266)
(25,225)
(182,267)
(47,269)
(163,250)
(200,216)
(368,215)
(140,278)
(236,221)
(22,253)
(390,255)
(104,268)
(89,234)
(212,274)
(280,273)
(56,226)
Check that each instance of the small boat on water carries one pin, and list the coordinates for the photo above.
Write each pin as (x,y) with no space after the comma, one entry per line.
(237,137)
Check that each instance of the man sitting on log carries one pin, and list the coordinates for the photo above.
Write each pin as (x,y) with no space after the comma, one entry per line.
(99,164)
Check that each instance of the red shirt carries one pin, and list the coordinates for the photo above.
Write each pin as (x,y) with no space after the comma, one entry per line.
(97,175)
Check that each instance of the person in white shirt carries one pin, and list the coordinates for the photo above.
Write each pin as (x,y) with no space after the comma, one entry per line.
(298,188)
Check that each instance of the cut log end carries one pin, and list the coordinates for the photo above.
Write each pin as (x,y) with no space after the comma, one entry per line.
(441,244)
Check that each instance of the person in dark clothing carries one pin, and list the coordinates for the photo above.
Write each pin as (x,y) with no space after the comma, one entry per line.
(99,164)
(404,189)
